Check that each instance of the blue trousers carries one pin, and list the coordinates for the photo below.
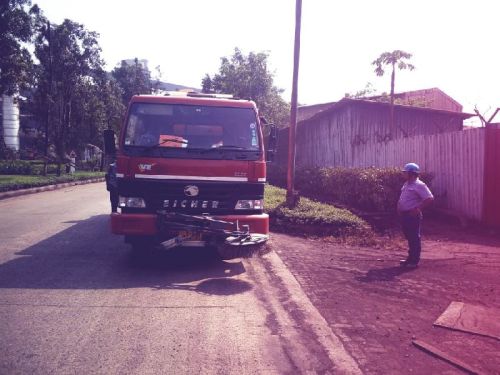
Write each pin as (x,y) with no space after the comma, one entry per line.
(411,230)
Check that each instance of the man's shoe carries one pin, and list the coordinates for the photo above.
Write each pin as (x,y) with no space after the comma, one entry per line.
(406,263)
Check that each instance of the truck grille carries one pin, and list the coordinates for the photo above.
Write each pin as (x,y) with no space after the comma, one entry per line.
(211,197)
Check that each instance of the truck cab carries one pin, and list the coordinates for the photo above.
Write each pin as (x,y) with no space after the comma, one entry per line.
(190,171)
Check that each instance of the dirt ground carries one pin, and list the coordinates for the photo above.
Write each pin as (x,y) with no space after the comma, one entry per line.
(378,308)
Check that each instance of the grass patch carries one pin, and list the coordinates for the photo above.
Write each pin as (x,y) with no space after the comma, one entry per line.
(16,182)
(311,217)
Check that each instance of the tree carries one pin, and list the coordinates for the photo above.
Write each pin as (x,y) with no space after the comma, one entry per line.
(97,106)
(68,73)
(17,24)
(133,79)
(156,82)
(111,96)
(248,77)
(360,94)
(392,59)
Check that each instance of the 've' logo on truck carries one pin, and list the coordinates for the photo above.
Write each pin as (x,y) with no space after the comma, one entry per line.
(191,190)
(145,167)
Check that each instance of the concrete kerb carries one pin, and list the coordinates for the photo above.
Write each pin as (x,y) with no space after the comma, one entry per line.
(40,189)
(271,264)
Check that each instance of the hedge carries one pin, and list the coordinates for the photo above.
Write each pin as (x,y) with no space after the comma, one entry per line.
(25,167)
(310,217)
(16,182)
(364,189)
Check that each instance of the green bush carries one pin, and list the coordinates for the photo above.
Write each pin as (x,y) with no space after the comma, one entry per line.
(37,168)
(25,167)
(17,182)
(88,165)
(15,167)
(365,189)
(310,217)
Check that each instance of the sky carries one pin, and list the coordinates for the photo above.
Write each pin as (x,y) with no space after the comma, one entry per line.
(454,43)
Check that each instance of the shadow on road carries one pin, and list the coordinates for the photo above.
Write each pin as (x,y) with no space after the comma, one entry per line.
(384,274)
(88,256)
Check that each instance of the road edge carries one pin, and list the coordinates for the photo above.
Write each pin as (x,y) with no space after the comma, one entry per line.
(41,189)
(331,342)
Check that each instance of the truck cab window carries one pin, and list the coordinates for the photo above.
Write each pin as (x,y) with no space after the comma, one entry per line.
(197,127)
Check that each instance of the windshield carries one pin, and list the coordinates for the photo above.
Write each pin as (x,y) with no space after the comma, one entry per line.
(176,126)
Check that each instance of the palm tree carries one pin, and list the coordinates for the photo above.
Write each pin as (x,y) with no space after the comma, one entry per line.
(393,59)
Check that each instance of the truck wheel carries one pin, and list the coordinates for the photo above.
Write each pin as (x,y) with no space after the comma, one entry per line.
(231,249)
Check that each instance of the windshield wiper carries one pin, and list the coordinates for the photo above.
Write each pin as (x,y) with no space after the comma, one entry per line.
(165,141)
(233,147)
(227,147)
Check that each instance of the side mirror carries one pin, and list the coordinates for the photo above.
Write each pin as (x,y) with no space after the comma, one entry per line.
(272,142)
(109,142)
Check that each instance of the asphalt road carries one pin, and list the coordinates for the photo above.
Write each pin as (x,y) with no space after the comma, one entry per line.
(73,300)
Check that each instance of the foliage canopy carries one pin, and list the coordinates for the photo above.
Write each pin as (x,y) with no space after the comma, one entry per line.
(74,96)
(18,19)
(133,78)
(248,77)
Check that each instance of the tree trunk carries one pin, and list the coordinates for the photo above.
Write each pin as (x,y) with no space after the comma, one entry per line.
(46,140)
(391,121)
(48,99)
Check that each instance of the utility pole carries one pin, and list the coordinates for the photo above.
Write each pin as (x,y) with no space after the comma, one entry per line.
(49,99)
(291,196)
(391,120)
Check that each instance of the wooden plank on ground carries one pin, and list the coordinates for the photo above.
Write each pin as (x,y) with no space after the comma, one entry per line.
(472,319)
(445,357)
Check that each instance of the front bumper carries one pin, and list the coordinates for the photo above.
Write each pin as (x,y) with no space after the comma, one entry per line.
(147,224)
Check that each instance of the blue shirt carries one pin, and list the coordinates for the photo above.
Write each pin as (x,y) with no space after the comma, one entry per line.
(412,195)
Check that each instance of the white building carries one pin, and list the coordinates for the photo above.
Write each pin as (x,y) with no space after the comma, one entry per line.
(10,121)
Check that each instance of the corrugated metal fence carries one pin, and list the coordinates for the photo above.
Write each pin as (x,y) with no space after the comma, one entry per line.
(456,159)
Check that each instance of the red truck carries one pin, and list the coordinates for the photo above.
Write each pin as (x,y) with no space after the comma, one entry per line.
(190,171)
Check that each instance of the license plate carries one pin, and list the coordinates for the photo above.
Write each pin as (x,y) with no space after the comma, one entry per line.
(192,236)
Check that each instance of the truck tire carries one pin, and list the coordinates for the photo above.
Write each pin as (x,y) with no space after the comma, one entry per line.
(231,250)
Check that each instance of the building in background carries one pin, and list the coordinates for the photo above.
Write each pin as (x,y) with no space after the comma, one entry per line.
(328,134)
(432,98)
(429,98)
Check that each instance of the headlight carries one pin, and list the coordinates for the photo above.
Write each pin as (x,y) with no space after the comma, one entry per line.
(250,204)
(134,202)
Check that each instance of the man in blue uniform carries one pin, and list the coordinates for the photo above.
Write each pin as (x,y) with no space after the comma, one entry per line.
(415,196)
(112,186)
